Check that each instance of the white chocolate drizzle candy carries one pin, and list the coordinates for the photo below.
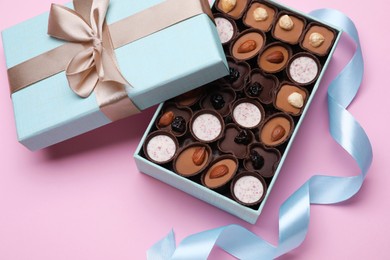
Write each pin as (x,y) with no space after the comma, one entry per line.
(260,14)
(206,127)
(248,189)
(303,69)
(225,29)
(247,115)
(161,148)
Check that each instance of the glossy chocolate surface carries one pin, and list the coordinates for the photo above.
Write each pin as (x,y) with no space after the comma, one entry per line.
(289,36)
(282,103)
(214,183)
(324,48)
(267,64)
(264,25)
(184,163)
(267,132)
(250,35)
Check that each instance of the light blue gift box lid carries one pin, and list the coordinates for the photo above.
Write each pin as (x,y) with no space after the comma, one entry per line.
(160,66)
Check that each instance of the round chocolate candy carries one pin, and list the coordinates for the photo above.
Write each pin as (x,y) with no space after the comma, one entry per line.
(247,113)
(303,68)
(226,28)
(248,188)
(207,126)
(160,147)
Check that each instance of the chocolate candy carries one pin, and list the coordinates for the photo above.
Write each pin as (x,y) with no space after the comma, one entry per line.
(220,172)
(260,16)
(303,68)
(160,147)
(248,188)
(226,28)
(235,141)
(289,28)
(274,57)
(318,39)
(207,126)
(276,130)
(192,159)
(248,44)
(291,99)
(247,113)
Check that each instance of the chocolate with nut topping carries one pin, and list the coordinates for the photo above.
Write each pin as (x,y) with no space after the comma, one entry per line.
(248,44)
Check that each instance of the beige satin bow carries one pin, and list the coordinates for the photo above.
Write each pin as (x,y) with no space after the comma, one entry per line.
(86,25)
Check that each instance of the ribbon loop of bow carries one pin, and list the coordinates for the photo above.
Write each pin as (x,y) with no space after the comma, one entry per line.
(86,25)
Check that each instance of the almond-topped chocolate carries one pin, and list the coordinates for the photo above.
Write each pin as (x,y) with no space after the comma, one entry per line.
(220,172)
(276,129)
(274,57)
(248,44)
(192,159)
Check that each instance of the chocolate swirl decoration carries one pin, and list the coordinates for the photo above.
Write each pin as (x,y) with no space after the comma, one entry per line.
(294,214)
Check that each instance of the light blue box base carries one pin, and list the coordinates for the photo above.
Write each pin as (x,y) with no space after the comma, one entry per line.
(207,195)
(160,66)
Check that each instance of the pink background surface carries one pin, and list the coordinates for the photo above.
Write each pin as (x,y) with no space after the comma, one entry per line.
(85,199)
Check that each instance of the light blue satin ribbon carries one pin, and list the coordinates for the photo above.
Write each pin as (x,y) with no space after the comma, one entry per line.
(294,214)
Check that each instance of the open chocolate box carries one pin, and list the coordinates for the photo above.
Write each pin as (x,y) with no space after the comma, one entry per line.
(226,141)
